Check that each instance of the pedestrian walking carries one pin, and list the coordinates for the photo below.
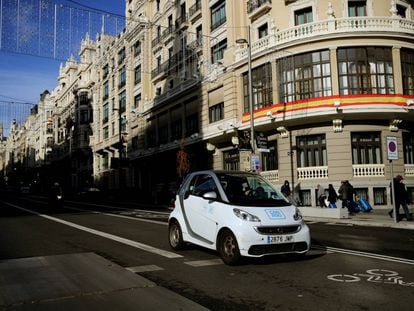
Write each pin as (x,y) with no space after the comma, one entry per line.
(297,195)
(285,189)
(320,194)
(346,194)
(400,199)
(332,196)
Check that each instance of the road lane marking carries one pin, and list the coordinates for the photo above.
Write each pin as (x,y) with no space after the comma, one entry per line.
(204,263)
(119,216)
(147,268)
(338,224)
(364,254)
(104,234)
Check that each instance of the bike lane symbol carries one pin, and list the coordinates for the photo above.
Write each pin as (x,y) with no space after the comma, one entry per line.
(372,275)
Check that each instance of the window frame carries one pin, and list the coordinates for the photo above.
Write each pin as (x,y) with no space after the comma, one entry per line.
(366,148)
(308,150)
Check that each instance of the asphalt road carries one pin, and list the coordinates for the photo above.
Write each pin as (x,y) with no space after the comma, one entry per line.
(350,267)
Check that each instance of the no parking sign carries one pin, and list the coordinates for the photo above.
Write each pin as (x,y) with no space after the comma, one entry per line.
(392,150)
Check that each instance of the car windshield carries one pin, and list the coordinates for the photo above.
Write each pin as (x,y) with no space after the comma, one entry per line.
(250,190)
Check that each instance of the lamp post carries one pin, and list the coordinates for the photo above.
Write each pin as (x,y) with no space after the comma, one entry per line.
(249,76)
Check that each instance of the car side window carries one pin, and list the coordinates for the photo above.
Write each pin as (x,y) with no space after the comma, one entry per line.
(202,185)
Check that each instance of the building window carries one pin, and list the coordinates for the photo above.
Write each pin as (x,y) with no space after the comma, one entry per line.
(217,51)
(176,130)
(263,30)
(270,159)
(218,14)
(357,8)
(106,90)
(158,91)
(163,134)
(365,70)
(123,125)
(231,160)
(105,161)
(305,76)
(407,66)
(137,74)
(366,148)
(303,16)
(106,132)
(216,112)
(151,138)
(137,100)
(157,5)
(105,71)
(191,124)
(401,11)
(380,196)
(408,145)
(84,116)
(121,55)
(105,113)
(134,143)
(122,102)
(311,151)
(122,77)
(261,85)
(137,48)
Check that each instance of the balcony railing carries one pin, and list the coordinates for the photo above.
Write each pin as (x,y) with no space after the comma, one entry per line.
(181,21)
(167,32)
(195,10)
(409,170)
(334,27)
(271,176)
(254,5)
(368,170)
(312,172)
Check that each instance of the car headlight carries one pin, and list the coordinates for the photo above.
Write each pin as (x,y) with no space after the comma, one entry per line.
(297,215)
(245,215)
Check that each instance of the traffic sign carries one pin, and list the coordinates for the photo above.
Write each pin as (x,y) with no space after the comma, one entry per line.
(392,148)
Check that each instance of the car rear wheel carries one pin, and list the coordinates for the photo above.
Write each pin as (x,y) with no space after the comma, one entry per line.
(175,235)
(228,248)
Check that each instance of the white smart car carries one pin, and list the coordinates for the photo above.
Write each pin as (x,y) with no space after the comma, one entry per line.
(237,214)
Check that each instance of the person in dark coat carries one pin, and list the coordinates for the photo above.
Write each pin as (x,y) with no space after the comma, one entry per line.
(401,199)
(332,196)
(285,189)
(346,193)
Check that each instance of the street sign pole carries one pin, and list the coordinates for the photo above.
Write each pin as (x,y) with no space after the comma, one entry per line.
(392,154)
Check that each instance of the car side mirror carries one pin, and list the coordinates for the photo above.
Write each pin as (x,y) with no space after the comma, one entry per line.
(211,196)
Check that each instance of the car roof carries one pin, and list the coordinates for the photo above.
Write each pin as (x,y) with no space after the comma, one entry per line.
(222,172)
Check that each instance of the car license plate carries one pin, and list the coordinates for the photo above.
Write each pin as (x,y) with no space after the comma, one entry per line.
(276,239)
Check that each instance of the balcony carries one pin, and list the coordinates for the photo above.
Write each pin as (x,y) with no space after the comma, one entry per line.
(271,176)
(196,45)
(256,8)
(156,41)
(182,22)
(168,33)
(195,11)
(312,172)
(380,26)
(409,170)
(368,170)
(121,84)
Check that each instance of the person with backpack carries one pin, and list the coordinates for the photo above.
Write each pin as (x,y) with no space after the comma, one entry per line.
(332,196)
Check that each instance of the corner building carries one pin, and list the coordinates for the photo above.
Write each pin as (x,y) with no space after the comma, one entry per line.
(330,81)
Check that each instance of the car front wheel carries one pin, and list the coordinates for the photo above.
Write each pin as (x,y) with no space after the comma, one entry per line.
(175,236)
(228,248)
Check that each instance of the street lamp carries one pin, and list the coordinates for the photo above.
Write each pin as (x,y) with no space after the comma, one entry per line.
(249,74)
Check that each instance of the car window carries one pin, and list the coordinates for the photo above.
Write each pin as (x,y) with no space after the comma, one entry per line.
(202,184)
(250,189)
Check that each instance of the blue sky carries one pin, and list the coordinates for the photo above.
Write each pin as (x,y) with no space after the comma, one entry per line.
(24,77)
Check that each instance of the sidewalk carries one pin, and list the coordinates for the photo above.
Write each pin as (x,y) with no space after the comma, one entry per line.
(375,218)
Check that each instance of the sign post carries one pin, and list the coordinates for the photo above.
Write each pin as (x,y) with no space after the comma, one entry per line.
(392,154)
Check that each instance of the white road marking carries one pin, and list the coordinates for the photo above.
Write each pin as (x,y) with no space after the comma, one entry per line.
(104,234)
(120,216)
(147,268)
(204,263)
(338,224)
(364,254)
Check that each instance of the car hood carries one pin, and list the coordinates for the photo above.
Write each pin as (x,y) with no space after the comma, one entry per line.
(272,215)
